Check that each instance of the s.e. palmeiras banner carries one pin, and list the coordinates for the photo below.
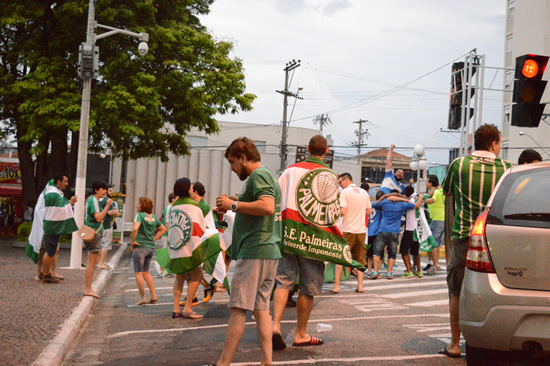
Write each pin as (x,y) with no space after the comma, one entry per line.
(311,213)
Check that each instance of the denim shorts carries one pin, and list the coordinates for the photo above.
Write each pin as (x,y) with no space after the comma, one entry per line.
(51,244)
(386,239)
(95,244)
(438,232)
(311,272)
(142,259)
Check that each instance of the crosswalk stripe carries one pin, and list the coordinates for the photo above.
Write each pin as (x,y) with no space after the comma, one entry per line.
(414,293)
(430,303)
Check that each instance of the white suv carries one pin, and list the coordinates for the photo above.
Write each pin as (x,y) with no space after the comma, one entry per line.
(505,298)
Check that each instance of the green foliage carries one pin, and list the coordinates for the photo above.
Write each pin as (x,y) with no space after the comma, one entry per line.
(23,231)
(140,106)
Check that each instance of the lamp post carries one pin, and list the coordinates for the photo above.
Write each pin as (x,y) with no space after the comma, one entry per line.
(521,133)
(418,163)
(88,68)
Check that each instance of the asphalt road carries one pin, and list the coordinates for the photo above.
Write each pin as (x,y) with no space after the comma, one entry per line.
(394,322)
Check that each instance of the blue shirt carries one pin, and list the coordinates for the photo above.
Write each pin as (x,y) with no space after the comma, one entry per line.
(389,183)
(374,220)
(391,219)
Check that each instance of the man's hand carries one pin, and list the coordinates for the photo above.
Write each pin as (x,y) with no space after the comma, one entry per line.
(73,200)
(109,201)
(223,203)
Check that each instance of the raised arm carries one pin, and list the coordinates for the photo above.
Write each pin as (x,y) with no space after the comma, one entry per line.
(389,165)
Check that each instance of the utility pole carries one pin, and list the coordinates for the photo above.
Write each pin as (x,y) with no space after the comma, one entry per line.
(289,67)
(322,119)
(360,136)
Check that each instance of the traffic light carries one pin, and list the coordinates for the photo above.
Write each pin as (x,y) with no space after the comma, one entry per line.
(457,88)
(528,90)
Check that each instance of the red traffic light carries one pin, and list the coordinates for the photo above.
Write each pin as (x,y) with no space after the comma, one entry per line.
(530,69)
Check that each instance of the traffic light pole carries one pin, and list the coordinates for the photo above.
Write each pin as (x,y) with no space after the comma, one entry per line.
(289,67)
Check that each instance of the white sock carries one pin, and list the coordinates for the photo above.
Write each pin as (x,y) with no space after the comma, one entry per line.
(431,262)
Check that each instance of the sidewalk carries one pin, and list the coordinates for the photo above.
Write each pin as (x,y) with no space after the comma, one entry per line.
(33,313)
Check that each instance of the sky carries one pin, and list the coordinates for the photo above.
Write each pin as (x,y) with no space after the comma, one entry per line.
(356,57)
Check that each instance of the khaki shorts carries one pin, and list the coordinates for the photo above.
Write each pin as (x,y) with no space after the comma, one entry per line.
(457,266)
(253,283)
(356,244)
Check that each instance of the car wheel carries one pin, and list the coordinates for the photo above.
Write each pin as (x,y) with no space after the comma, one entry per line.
(475,356)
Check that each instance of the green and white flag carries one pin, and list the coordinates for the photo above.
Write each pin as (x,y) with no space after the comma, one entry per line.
(215,265)
(311,213)
(53,215)
(190,241)
(423,233)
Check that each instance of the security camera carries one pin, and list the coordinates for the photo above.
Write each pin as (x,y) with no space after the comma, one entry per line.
(143,48)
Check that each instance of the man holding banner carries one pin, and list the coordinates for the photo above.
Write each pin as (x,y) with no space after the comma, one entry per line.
(311,210)
(255,246)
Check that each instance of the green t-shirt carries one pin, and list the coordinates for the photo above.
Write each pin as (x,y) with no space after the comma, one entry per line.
(258,237)
(437,208)
(205,207)
(92,206)
(147,230)
(166,218)
(108,220)
(472,180)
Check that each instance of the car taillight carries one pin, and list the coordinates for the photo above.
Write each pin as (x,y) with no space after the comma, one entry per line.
(478,258)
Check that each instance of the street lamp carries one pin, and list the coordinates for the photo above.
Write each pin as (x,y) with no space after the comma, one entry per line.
(418,163)
(88,70)
(521,133)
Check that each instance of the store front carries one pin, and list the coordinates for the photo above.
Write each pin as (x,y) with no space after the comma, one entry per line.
(11,196)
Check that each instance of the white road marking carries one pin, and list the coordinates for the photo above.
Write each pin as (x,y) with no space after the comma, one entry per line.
(146,331)
(430,303)
(345,360)
(171,303)
(415,293)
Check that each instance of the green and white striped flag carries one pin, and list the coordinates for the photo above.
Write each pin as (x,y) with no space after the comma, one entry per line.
(53,215)
(422,233)
(311,214)
(190,241)
(215,265)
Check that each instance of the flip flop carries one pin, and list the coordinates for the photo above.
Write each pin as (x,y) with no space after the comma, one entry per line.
(191,315)
(356,290)
(334,291)
(93,295)
(278,342)
(61,278)
(152,301)
(314,341)
(141,302)
(449,354)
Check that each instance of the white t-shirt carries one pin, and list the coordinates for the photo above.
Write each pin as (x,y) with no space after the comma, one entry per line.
(410,216)
(356,200)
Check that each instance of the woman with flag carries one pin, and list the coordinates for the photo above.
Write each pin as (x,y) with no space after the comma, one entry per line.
(147,229)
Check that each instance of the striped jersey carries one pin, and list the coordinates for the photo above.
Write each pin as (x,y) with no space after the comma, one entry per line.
(472,180)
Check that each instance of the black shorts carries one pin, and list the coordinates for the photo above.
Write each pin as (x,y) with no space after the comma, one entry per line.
(408,244)
(51,244)
(370,251)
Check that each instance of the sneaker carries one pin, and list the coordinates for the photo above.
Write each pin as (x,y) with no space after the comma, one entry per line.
(419,274)
(389,276)
(374,275)
(428,266)
(208,294)
(195,302)
(407,275)
(384,265)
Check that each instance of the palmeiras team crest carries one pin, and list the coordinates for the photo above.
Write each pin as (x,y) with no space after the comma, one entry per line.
(317,197)
(180,229)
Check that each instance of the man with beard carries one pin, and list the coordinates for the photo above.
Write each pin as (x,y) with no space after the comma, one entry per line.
(390,180)
(255,245)
(107,238)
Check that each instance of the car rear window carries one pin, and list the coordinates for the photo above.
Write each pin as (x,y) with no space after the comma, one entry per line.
(523,200)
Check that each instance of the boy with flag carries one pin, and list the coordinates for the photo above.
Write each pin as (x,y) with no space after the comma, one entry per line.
(53,217)
(311,174)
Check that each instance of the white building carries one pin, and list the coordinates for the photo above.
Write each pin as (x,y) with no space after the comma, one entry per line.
(527,32)
(155,179)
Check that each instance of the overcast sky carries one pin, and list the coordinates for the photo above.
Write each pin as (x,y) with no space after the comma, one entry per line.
(352,53)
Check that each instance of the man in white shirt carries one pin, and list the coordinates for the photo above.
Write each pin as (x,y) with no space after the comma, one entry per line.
(354,205)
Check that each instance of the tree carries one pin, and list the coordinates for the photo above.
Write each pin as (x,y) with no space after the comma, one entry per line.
(140,106)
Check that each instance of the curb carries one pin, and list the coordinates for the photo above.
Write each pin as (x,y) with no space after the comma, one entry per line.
(56,350)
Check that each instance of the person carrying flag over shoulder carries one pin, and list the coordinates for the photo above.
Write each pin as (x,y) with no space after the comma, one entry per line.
(309,270)
(53,217)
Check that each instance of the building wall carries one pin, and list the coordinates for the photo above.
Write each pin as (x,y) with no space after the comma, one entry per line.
(527,31)
(155,179)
